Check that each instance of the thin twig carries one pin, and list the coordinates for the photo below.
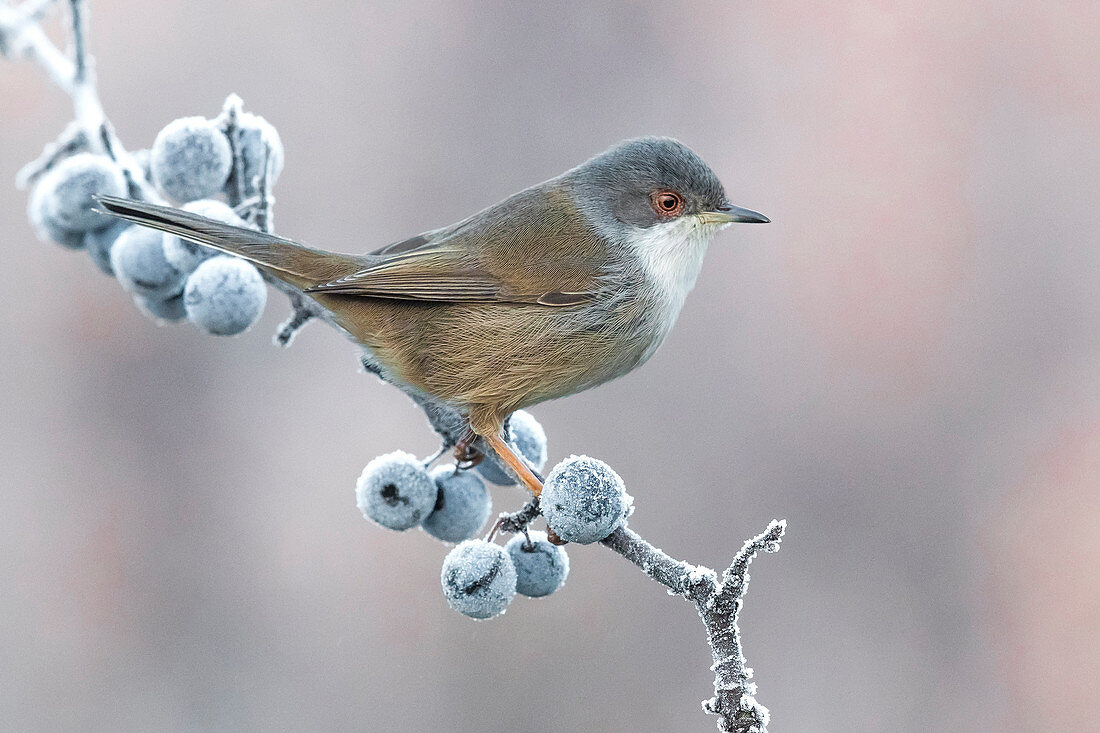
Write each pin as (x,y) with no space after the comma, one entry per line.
(692,582)
(719,604)
(80,45)
(429,460)
(22,37)
(35,11)
(514,522)
(300,314)
(265,216)
(228,121)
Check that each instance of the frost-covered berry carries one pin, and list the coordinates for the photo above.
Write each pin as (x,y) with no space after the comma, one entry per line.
(529,437)
(224,295)
(98,244)
(45,226)
(478,579)
(137,258)
(584,500)
(190,159)
(541,568)
(186,255)
(395,491)
(162,311)
(254,137)
(61,204)
(461,508)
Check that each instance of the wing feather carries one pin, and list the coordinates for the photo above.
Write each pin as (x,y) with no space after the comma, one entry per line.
(427,274)
(498,255)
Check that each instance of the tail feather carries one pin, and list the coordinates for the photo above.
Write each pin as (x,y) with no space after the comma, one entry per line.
(295,263)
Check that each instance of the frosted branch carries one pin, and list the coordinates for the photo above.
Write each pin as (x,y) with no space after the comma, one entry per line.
(299,315)
(22,37)
(718,605)
(515,522)
(228,121)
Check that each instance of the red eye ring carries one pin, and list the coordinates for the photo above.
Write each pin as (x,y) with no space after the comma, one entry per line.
(666,204)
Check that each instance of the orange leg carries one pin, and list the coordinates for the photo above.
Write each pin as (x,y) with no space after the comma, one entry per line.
(504,451)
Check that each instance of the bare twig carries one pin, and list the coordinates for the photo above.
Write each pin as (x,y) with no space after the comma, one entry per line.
(35,11)
(299,315)
(719,604)
(429,460)
(513,522)
(265,216)
(228,121)
(22,37)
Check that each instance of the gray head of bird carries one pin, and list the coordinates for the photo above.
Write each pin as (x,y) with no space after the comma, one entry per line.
(661,201)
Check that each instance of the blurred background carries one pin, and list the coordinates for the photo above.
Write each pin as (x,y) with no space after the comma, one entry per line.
(904,365)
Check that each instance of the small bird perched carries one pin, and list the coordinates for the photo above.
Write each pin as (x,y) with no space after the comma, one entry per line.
(558,288)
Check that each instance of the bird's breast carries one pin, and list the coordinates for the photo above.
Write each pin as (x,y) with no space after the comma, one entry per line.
(669,258)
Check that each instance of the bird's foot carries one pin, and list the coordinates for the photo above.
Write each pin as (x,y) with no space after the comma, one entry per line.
(466,455)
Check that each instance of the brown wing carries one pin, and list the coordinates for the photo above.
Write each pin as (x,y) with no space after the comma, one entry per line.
(428,274)
(532,248)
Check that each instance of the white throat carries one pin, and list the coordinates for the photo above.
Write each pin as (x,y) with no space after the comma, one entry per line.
(671,254)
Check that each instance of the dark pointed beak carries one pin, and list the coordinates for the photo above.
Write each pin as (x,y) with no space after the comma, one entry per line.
(727,213)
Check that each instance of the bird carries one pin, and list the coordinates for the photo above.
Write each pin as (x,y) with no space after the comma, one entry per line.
(556,289)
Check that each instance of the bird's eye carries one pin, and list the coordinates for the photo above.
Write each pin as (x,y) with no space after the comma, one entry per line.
(667,204)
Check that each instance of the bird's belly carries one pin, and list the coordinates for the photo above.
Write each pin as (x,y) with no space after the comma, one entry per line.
(509,356)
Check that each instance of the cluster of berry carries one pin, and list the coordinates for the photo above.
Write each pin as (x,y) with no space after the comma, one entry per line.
(192,161)
(583,501)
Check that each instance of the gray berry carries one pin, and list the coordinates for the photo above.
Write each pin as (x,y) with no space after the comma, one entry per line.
(61,204)
(395,491)
(98,244)
(478,579)
(190,159)
(162,311)
(137,258)
(584,500)
(46,227)
(461,508)
(224,295)
(541,567)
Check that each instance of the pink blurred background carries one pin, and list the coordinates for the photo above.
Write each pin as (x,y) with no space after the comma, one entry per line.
(904,364)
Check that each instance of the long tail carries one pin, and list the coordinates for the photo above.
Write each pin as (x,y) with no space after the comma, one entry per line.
(294,263)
